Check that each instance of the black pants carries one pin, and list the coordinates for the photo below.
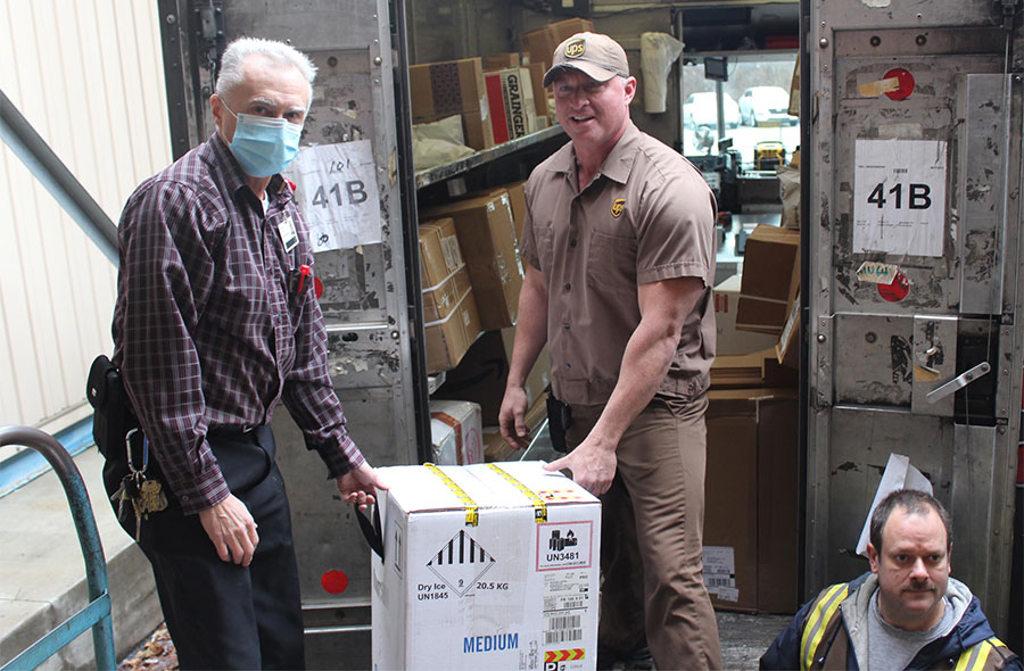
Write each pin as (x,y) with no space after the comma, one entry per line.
(221,615)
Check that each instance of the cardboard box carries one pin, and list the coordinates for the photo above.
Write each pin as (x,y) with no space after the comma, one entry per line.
(730,339)
(487,240)
(453,87)
(449,338)
(771,278)
(495,447)
(456,432)
(517,201)
(787,350)
(516,192)
(540,43)
(482,374)
(510,101)
(473,576)
(540,93)
(505,59)
(442,272)
(751,520)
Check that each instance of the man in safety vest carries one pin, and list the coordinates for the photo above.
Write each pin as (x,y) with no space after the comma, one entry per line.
(907,613)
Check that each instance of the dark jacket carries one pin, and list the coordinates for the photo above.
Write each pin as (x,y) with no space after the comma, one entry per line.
(835,622)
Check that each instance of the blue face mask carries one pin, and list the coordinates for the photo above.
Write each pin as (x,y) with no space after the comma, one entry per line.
(263,146)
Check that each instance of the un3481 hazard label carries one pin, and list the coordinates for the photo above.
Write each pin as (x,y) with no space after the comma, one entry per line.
(564,545)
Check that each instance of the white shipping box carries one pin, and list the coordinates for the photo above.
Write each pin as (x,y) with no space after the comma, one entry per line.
(456,432)
(488,566)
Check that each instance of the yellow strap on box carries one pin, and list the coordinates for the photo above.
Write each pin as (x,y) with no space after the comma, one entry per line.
(540,509)
(472,514)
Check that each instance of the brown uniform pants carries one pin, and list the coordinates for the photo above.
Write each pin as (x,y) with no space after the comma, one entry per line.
(652,521)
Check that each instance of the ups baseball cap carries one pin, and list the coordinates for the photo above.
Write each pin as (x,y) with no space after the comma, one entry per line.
(596,55)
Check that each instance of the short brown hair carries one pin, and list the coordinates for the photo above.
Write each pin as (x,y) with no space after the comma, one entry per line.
(915,503)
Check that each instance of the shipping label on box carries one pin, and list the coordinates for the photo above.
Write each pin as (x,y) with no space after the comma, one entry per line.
(456,432)
(443,274)
(486,566)
(449,338)
(510,101)
(720,572)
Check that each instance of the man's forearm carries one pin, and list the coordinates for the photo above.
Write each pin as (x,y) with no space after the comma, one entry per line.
(648,354)
(645,362)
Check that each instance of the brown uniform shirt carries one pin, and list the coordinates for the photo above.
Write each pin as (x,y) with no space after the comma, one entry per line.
(647,216)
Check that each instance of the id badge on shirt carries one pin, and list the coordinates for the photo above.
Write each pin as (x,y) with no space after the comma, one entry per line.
(288,235)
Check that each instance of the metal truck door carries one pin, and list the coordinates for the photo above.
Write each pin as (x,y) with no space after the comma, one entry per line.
(913,235)
(364,284)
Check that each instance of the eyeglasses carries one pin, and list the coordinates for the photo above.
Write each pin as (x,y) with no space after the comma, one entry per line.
(567,91)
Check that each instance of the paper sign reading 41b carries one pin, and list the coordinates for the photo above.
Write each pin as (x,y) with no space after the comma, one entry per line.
(336,188)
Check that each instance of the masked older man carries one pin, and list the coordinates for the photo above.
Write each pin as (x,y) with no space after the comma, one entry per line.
(216,322)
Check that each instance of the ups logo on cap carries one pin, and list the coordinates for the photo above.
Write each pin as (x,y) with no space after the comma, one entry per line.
(618,206)
(575,48)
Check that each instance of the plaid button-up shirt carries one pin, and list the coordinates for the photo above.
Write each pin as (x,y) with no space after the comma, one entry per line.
(210,328)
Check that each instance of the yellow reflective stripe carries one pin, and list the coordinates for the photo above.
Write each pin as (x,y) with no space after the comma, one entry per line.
(975,657)
(472,516)
(814,629)
(540,509)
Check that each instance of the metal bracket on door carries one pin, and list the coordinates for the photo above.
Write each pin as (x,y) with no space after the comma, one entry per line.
(958,382)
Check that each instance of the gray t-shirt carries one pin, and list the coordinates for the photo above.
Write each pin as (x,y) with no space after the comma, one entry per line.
(892,648)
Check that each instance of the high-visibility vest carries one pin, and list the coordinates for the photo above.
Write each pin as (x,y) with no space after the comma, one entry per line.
(825,618)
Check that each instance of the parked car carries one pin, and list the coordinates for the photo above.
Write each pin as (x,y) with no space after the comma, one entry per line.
(765,105)
(701,109)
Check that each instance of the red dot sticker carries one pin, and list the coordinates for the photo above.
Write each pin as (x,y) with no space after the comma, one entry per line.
(334,582)
(905,86)
(896,291)
(318,286)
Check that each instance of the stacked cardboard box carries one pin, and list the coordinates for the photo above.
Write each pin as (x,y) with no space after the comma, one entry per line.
(487,239)
(771,279)
(486,567)
(751,527)
(731,340)
(751,523)
(445,88)
(452,322)
(455,432)
(505,59)
(540,43)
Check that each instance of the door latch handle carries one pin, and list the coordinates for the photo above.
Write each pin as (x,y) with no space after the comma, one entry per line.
(958,382)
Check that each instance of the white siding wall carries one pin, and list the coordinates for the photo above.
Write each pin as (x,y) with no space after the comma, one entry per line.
(88,75)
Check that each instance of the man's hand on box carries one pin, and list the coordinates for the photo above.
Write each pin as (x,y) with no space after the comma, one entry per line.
(358,486)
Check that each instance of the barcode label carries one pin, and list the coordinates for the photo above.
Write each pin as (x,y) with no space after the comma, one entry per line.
(562,635)
(562,628)
(719,581)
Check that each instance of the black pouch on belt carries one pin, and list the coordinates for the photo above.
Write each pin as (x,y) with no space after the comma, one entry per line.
(559,421)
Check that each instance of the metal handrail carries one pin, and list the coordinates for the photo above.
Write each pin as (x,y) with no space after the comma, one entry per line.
(96,614)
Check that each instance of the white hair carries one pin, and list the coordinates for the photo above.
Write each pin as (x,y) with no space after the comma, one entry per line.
(278,52)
